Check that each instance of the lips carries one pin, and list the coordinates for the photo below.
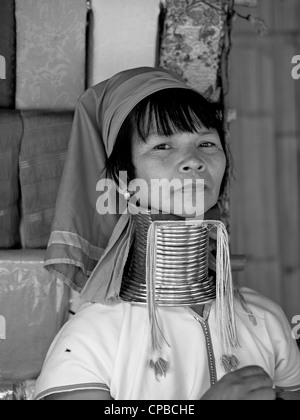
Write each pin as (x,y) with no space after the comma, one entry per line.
(190,189)
(194,185)
(185,185)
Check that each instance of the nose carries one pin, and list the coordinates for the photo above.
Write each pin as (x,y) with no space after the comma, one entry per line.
(192,164)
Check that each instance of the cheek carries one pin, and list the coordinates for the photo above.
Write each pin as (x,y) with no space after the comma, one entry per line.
(149,169)
(223,168)
(219,169)
(142,170)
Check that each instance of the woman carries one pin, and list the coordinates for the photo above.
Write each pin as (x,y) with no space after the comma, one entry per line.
(136,338)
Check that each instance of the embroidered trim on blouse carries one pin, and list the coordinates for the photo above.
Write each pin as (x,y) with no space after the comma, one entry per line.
(203,321)
(70,388)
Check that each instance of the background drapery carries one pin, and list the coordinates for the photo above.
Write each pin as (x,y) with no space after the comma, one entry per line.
(51,52)
(265,204)
(122,35)
(192,42)
(41,161)
(7,50)
(11,129)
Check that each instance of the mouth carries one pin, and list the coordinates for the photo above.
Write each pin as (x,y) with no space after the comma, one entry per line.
(194,185)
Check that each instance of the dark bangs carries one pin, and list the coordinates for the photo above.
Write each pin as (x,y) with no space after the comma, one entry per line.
(173,111)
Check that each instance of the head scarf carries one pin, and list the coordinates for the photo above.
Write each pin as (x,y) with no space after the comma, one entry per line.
(81,239)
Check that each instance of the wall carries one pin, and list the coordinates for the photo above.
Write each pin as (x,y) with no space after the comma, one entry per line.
(265,206)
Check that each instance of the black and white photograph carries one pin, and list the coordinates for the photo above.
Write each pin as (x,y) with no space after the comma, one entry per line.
(149,202)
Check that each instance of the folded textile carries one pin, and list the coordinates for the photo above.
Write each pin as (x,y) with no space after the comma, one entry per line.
(11,129)
(41,162)
(51,52)
(192,41)
(9,227)
(19,391)
(34,305)
(7,53)
(123,35)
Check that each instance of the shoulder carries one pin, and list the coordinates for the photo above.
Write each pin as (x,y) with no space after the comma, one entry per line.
(104,323)
(269,315)
(262,306)
(83,354)
(277,331)
(93,317)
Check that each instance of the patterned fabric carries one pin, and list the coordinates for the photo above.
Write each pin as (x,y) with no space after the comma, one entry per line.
(50,53)
(42,156)
(191,45)
(10,140)
(7,52)
(192,42)
(123,35)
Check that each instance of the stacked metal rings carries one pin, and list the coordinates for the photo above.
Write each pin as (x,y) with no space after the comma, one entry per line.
(181,265)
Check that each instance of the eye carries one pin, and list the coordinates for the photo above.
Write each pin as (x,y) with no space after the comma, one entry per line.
(207,144)
(163,146)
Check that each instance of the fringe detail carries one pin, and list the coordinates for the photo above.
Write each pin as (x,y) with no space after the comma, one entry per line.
(225,315)
(230,363)
(157,362)
(160,367)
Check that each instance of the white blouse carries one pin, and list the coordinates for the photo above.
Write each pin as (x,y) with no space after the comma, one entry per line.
(106,347)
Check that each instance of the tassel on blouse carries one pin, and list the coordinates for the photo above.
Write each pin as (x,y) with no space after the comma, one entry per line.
(225,316)
(157,362)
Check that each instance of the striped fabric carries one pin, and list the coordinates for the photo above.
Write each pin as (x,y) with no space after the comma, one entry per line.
(42,156)
(72,388)
(8,53)
(10,140)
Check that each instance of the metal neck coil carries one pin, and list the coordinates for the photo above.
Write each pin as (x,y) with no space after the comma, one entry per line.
(181,265)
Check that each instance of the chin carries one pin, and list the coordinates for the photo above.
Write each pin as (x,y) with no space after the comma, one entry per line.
(193,216)
(189,213)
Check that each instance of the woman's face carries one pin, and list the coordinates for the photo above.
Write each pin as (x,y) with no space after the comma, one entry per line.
(186,159)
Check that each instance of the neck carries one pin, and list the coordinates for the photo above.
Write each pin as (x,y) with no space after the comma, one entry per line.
(181,270)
